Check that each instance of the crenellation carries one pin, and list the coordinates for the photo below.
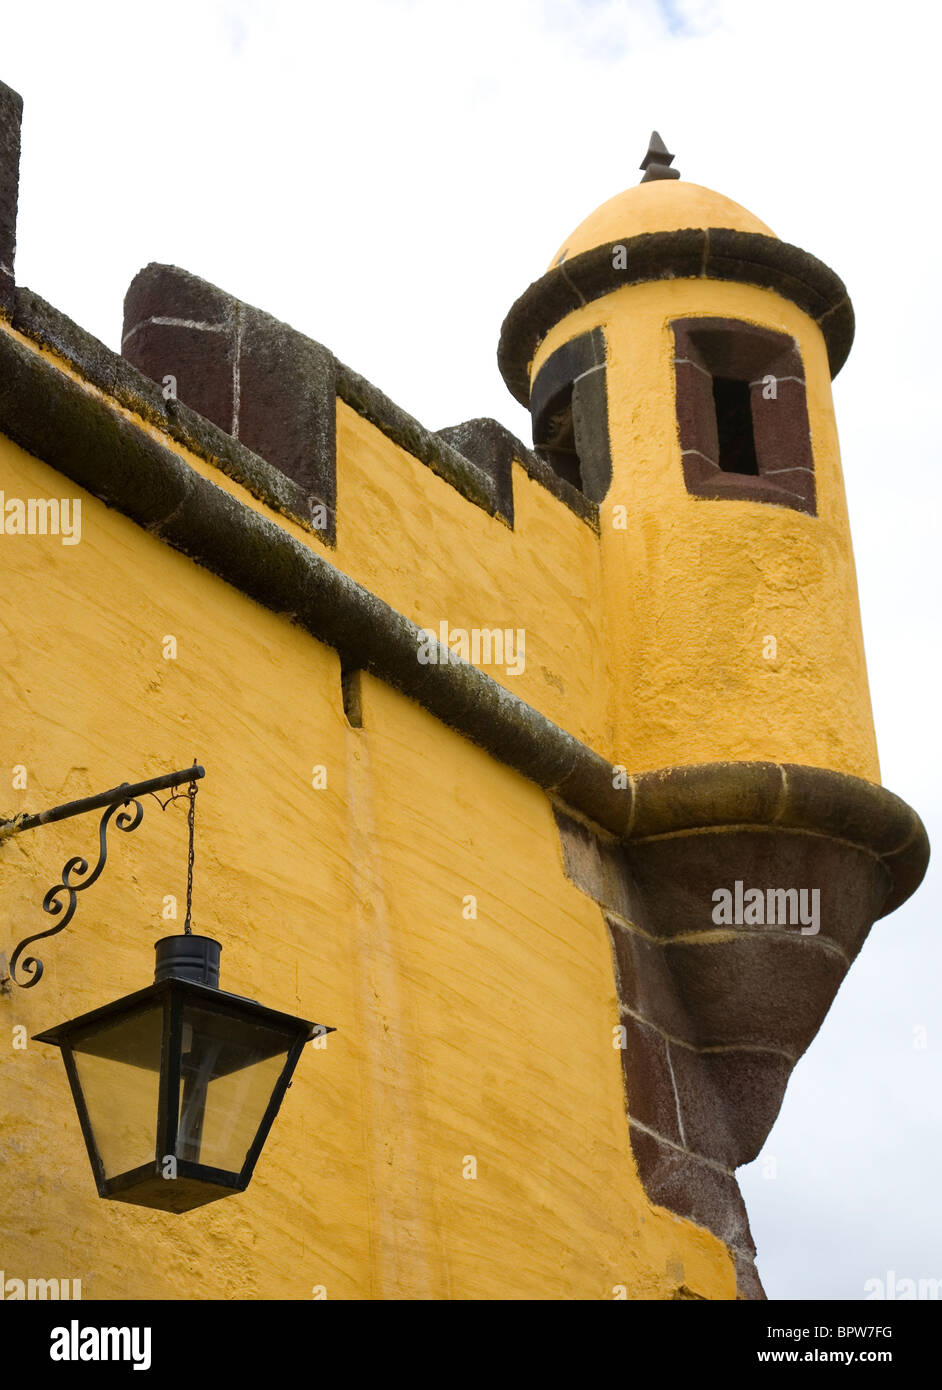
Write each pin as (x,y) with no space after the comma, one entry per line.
(176,323)
(144,398)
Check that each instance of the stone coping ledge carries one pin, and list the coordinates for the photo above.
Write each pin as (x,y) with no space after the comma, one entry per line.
(712,253)
(789,797)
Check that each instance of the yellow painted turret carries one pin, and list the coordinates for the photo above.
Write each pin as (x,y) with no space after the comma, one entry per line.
(677,359)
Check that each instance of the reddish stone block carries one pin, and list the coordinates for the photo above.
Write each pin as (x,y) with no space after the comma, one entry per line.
(11,115)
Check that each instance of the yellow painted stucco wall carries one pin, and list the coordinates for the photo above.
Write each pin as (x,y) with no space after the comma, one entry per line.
(409,537)
(694,587)
(487,1038)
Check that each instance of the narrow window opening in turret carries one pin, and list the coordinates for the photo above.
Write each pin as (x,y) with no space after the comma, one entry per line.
(569,410)
(737,446)
(557,441)
(742,414)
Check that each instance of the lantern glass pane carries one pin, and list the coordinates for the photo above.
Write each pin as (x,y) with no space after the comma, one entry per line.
(118,1065)
(229,1067)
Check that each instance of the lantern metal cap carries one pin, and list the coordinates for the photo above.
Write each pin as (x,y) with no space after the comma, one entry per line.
(194,958)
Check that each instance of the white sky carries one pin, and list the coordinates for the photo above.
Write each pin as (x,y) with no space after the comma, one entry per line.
(389,175)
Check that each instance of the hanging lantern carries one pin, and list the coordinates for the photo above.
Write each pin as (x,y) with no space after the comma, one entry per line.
(177,1085)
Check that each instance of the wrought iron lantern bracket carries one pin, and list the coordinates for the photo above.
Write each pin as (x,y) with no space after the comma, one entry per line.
(76,876)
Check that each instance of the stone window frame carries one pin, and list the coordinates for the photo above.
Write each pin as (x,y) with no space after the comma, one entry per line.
(707,348)
(569,405)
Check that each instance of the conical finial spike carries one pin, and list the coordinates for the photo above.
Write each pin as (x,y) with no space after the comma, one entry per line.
(657,161)
(656,146)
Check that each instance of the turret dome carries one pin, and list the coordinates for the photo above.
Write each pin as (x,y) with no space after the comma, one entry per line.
(664,205)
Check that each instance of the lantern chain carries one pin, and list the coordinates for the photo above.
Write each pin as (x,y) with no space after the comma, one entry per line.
(191,816)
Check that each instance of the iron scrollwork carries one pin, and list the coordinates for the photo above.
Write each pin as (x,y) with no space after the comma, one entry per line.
(126,820)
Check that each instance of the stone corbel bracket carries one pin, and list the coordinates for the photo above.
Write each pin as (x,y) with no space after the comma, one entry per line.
(716,1013)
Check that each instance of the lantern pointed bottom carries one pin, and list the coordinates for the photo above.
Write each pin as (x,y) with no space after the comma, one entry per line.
(150,1187)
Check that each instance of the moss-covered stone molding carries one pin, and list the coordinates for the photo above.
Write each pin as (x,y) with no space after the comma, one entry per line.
(713,253)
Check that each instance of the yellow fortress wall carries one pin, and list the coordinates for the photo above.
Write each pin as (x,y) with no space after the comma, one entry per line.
(489,1038)
(495,879)
(550,562)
